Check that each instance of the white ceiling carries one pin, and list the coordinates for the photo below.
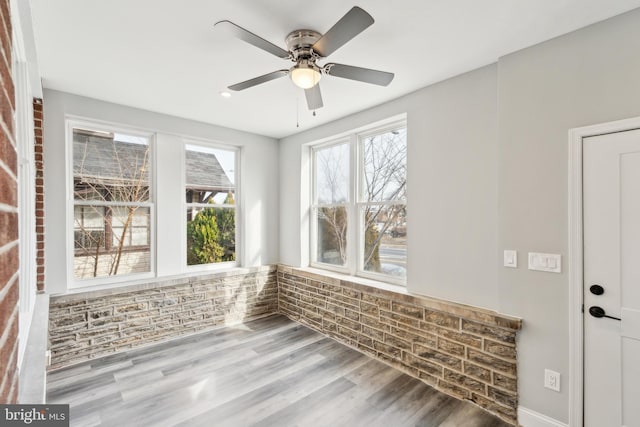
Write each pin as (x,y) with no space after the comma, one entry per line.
(165,56)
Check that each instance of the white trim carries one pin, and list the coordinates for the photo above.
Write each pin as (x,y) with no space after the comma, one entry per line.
(26,179)
(111,203)
(575,261)
(355,239)
(33,375)
(576,347)
(530,418)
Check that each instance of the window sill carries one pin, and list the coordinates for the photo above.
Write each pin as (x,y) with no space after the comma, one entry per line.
(157,282)
(357,280)
(401,294)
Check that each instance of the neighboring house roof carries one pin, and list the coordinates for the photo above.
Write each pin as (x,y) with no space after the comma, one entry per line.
(205,173)
(102,160)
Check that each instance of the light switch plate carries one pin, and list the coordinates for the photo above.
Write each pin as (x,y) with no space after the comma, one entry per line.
(551,263)
(510,258)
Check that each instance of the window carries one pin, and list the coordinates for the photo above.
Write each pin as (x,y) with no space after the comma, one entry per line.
(332,196)
(210,189)
(112,203)
(359,204)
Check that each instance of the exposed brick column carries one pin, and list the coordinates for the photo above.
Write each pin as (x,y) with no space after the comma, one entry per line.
(38,149)
(8,219)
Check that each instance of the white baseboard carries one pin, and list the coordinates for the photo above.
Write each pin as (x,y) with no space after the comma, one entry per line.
(530,418)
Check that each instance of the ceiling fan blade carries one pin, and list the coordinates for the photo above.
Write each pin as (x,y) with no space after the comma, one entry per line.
(259,80)
(367,75)
(314,97)
(239,32)
(349,26)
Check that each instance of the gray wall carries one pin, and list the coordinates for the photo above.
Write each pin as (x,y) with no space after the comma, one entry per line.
(586,77)
(258,176)
(488,170)
(451,183)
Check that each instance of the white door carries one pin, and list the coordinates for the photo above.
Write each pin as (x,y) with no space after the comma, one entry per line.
(611,186)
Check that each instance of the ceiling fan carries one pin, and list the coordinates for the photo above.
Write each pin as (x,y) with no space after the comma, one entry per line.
(305,49)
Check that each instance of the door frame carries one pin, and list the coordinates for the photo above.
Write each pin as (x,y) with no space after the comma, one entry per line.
(575,258)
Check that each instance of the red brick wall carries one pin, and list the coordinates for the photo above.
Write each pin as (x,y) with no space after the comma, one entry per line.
(8,219)
(38,127)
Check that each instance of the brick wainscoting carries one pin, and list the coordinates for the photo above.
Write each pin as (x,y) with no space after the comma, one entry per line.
(464,351)
(97,323)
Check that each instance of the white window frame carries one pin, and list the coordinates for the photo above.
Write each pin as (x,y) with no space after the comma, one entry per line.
(355,235)
(100,126)
(237,206)
(349,267)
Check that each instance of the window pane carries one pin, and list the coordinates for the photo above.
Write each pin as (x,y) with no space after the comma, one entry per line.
(129,221)
(210,175)
(88,230)
(111,241)
(385,166)
(110,166)
(211,235)
(332,235)
(385,243)
(332,174)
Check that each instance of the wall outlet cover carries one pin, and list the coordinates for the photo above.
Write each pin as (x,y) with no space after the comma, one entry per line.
(552,380)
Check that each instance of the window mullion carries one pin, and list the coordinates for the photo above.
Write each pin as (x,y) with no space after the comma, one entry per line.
(209,205)
(354,222)
(111,203)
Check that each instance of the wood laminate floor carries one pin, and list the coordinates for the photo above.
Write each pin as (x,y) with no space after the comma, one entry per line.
(268,372)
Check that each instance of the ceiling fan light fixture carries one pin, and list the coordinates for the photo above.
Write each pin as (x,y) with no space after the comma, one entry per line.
(305,75)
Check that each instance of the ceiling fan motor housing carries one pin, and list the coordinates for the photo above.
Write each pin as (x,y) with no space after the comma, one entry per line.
(299,43)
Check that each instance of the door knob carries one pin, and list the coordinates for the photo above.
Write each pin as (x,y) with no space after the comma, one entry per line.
(596,289)
(596,311)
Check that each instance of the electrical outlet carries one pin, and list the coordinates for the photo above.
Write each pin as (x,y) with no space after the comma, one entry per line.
(552,380)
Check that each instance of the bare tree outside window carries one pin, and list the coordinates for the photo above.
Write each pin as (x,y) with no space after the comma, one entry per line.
(379,205)
(383,201)
(332,168)
(112,204)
